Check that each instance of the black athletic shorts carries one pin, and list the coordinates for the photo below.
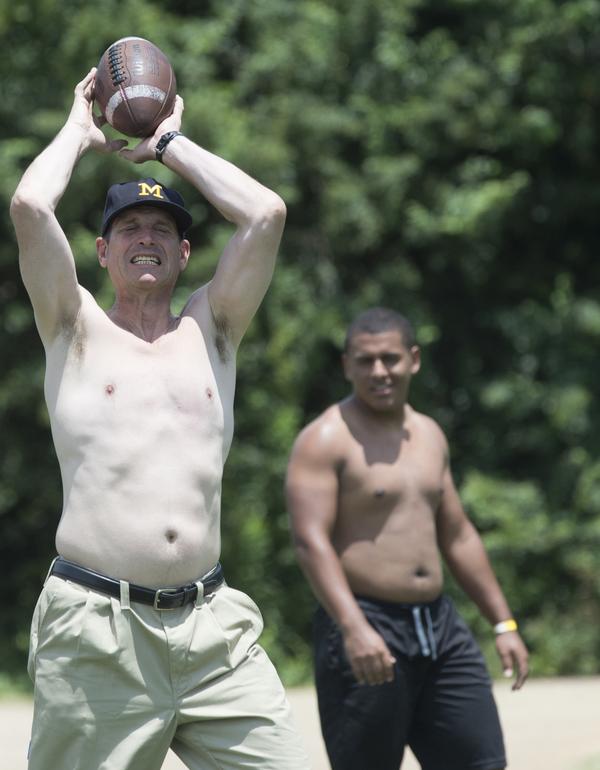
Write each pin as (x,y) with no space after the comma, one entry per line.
(440,702)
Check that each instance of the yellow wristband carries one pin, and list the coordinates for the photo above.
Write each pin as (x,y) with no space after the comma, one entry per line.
(506,625)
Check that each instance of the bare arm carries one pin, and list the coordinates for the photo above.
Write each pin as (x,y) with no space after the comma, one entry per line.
(245,267)
(466,557)
(45,257)
(311,490)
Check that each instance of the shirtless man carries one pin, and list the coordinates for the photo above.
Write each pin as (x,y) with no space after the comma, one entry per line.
(137,644)
(372,503)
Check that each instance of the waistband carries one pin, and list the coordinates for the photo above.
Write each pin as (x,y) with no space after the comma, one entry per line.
(422,613)
(160,599)
(399,608)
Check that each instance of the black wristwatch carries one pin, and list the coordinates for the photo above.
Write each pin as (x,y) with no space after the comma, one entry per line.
(162,143)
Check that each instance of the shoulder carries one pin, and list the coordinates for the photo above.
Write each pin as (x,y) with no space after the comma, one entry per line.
(426,423)
(323,437)
(428,428)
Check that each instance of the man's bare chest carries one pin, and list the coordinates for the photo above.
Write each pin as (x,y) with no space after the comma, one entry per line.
(392,477)
(113,378)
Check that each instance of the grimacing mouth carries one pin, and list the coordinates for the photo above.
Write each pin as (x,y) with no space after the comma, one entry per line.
(145,259)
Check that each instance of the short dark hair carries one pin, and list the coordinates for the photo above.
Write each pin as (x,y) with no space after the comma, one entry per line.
(380,319)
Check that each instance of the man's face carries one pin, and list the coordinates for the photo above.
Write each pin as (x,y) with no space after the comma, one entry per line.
(380,367)
(143,249)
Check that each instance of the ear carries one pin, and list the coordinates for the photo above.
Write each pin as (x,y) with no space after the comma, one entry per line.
(101,249)
(184,254)
(415,353)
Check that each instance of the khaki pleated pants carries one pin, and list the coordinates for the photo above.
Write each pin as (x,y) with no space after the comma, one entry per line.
(117,684)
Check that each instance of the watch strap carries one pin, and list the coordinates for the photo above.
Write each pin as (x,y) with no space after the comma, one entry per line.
(162,143)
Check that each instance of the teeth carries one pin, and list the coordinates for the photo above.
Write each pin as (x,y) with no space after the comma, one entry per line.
(146,261)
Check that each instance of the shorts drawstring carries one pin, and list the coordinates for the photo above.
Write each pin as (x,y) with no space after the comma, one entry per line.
(425,635)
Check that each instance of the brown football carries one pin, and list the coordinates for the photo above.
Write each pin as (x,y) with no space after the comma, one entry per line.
(135,86)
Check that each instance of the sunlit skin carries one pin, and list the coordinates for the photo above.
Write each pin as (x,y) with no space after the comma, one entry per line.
(141,400)
(374,507)
(144,255)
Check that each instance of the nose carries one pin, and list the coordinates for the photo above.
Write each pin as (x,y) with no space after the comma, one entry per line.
(145,236)
(378,369)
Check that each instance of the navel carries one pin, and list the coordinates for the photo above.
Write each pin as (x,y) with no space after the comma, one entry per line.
(171,535)
(421,572)
(109,389)
(379,493)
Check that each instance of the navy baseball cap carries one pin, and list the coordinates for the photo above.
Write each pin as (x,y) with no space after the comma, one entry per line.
(146,192)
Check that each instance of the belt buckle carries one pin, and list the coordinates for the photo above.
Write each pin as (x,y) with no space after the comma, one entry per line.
(157,596)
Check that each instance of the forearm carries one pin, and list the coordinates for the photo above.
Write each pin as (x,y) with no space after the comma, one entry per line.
(469,563)
(46,179)
(240,198)
(323,570)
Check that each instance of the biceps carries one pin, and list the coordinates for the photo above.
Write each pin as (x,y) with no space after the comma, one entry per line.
(312,505)
(48,272)
(241,280)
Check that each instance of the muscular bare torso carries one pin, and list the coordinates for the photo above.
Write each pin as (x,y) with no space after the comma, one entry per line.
(142,431)
(389,489)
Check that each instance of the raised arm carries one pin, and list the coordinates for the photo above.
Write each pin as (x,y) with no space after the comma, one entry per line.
(245,267)
(312,492)
(45,257)
(467,559)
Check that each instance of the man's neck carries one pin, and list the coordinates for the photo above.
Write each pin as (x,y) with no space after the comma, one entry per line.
(391,418)
(147,317)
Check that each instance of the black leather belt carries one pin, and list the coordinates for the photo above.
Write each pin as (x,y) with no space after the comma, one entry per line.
(160,599)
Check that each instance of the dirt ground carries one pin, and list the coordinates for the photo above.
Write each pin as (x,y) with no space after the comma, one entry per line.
(552,724)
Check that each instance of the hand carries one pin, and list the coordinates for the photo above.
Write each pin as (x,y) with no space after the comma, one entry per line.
(513,653)
(369,656)
(82,115)
(146,149)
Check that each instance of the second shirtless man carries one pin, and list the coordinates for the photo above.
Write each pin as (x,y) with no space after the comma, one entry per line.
(137,644)
(372,505)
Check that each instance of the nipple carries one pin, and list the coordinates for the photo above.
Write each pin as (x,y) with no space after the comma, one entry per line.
(109,389)
(209,392)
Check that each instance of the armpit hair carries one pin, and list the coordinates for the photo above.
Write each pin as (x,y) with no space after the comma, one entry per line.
(75,334)
(222,337)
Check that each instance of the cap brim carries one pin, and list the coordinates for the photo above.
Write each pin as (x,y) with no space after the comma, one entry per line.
(181,216)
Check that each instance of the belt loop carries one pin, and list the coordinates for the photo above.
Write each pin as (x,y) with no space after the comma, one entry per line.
(200,594)
(49,573)
(124,586)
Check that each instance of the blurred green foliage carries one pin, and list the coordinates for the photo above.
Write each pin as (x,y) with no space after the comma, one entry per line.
(438,157)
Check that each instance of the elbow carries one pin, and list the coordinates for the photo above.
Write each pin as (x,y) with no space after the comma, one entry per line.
(278,210)
(307,550)
(272,212)
(26,206)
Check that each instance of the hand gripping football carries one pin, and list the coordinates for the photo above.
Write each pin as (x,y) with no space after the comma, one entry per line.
(135,86)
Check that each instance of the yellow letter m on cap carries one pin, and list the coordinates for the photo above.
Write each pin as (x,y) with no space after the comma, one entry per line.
(146,189)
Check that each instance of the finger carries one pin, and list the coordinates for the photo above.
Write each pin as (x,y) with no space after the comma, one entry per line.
(507,664)
(178,107)
(358,675)
(522,673)
(83,84)
(116,145)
